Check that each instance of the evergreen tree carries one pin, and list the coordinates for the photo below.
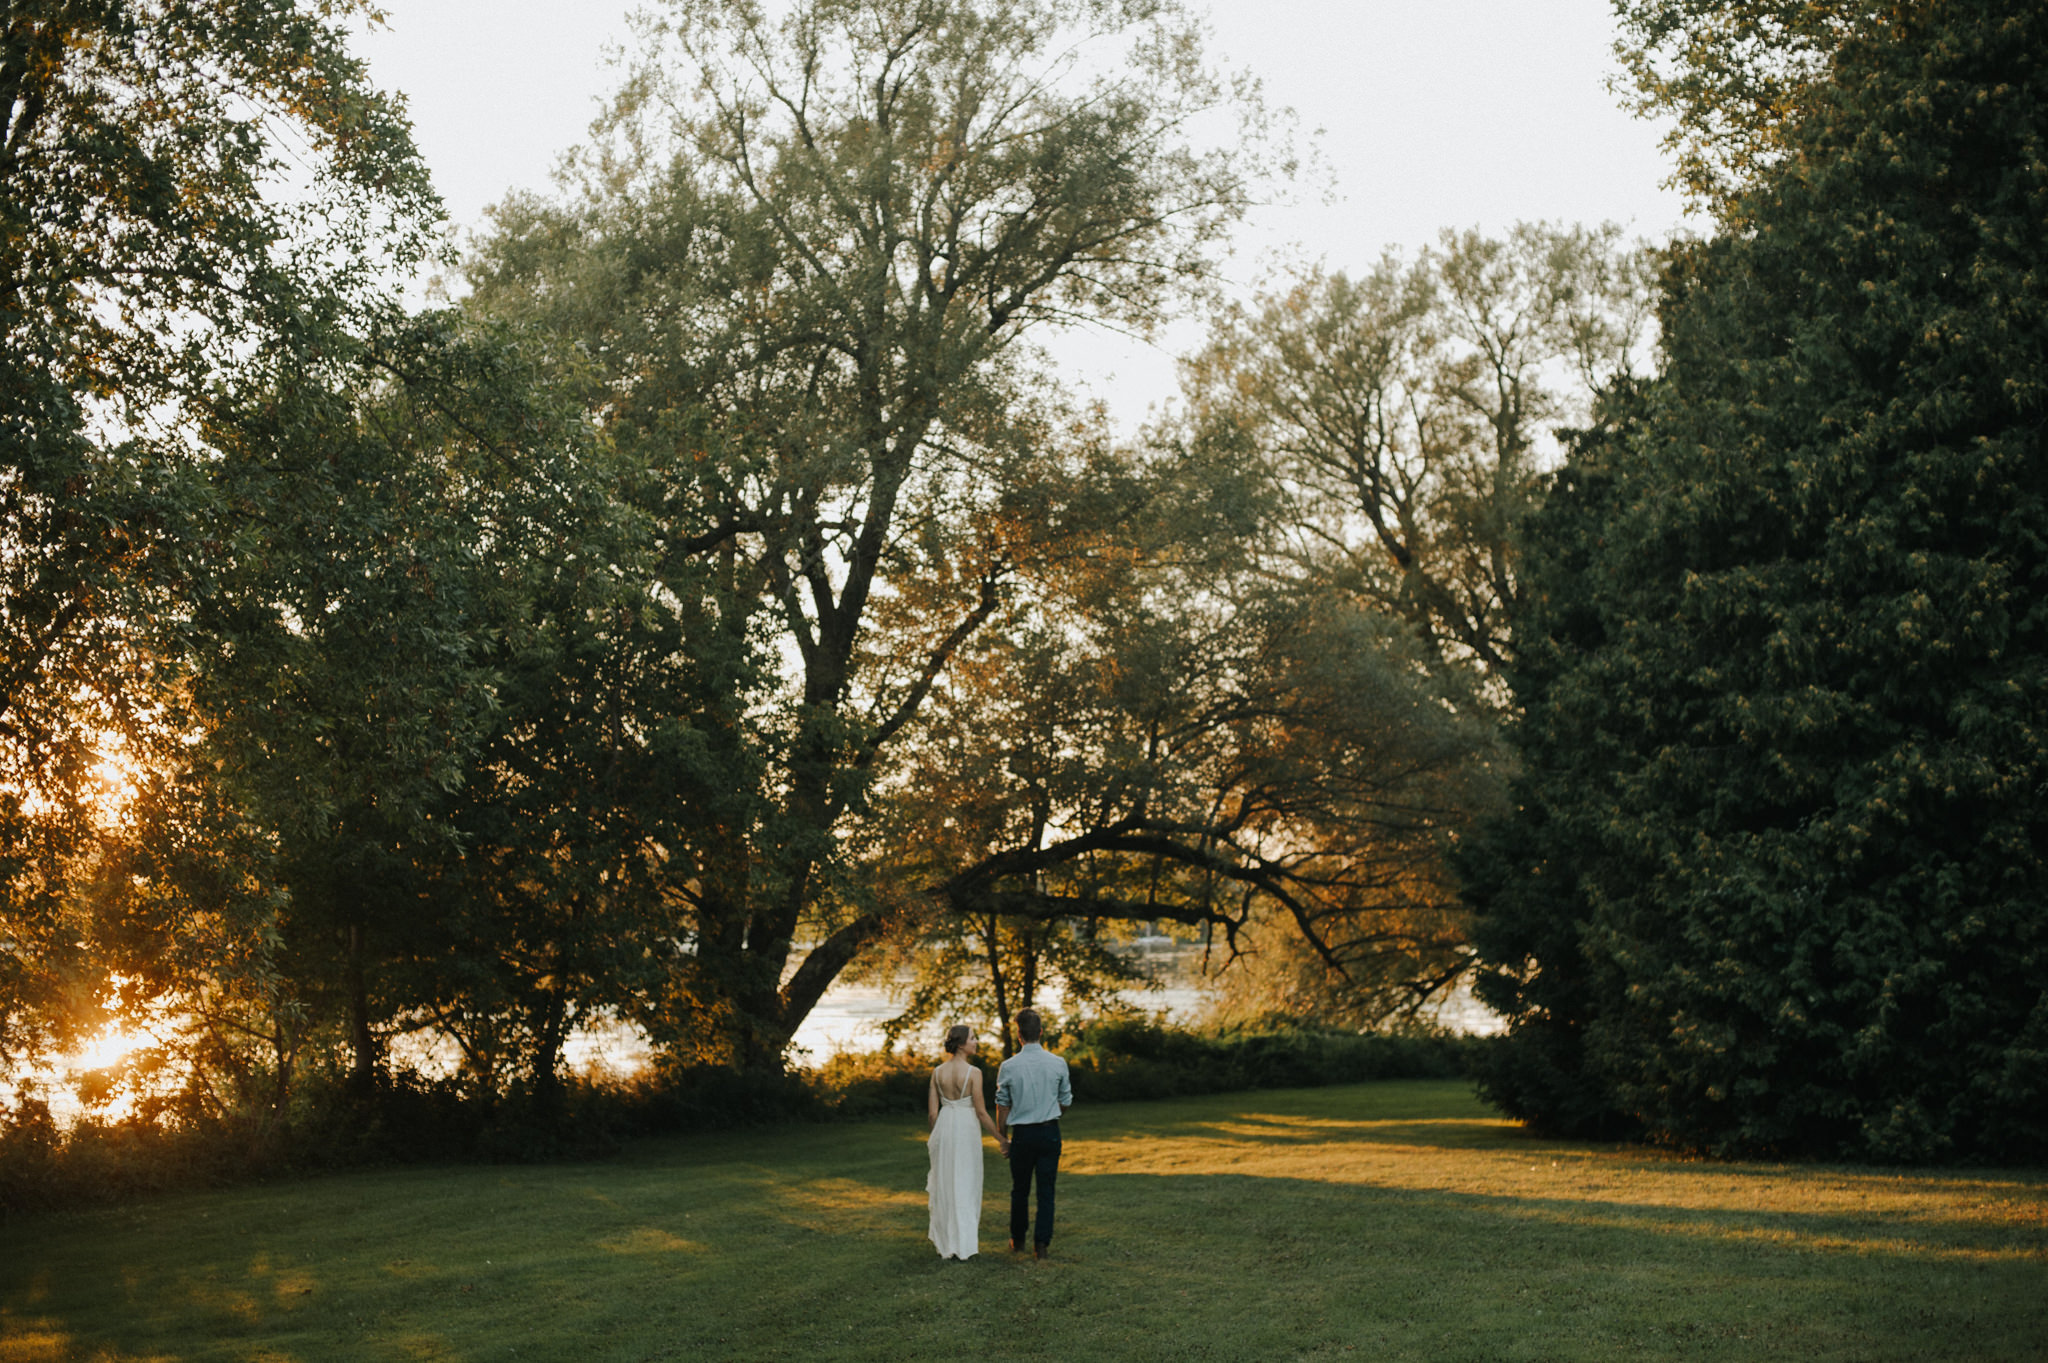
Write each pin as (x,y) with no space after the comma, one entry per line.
(1775,882)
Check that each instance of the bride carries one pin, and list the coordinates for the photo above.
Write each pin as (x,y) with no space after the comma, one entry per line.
(953,1105)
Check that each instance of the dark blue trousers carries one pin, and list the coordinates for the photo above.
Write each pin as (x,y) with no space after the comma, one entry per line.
(1034,1153)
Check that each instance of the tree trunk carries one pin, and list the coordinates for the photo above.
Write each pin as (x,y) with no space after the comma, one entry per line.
(1027,947)
(995,975)
(547,1057)
(365,1059)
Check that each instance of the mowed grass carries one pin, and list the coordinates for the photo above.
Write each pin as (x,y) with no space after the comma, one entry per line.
(1396,1220)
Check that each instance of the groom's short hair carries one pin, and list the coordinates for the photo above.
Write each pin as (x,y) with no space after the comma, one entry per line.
(1028,1025)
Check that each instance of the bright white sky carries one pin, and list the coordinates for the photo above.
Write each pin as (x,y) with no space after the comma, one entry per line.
(1434,114)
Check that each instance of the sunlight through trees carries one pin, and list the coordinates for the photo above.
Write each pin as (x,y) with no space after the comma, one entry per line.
(721,598)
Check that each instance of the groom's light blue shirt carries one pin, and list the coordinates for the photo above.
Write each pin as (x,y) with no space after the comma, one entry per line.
(1033,1084)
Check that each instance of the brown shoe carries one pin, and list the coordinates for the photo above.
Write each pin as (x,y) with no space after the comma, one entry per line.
(1038,1251)
(1014,1246)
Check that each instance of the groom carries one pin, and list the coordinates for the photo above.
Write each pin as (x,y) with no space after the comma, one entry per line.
(1031,1092)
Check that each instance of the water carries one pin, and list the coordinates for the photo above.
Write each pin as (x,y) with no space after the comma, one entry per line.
(848,1018)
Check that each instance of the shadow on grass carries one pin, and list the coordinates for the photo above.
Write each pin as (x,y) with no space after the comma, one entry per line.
(1921,1215)
(1505,1146)
(1443,1133)
(1405,1222)
(1491,1216)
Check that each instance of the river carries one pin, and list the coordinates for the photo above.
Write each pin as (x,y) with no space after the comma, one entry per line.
(848,1018)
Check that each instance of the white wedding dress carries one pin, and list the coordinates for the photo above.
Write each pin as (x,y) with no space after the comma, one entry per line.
(954,1184)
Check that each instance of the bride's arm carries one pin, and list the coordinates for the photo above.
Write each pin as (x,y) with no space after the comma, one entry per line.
(931,1101)
(981,1113)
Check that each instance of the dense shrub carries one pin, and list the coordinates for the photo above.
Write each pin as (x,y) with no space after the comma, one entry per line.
(411,1120)
(1135,1060)
(43,1165)
(1129,1059)
(872,1083)
(709,1097)
(1773,879)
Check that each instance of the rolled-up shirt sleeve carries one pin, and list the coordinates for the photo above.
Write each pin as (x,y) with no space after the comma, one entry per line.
(1003,1098)
(1066,1089)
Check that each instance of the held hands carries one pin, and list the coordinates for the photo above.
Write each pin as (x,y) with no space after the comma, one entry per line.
(1002,1147)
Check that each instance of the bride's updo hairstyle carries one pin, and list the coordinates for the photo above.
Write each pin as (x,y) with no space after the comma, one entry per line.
(956,1037)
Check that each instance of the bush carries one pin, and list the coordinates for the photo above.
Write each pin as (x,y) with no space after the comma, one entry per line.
(876,1083)
(44,1166)
(1130,1059)
(409,1119)
(708,1097)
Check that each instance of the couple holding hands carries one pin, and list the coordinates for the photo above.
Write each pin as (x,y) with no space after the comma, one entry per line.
(1032,1090)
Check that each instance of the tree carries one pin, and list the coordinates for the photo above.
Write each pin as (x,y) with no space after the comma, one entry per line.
(1734,75)
(1532,875)
(1775,882)
(804,267)
(557,898)
(149,245)
(1229,692)
(1159,732)
(280,884)
(1400,425)
(1405,415)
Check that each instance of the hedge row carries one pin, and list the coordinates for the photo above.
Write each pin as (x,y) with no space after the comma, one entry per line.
(413,1120)
(1136,1061)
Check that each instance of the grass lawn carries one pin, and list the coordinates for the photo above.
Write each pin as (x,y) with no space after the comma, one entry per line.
(1395,1220)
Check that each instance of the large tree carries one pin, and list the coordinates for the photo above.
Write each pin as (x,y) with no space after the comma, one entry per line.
(268,868)
(1155,730)
(1405,417)
(1732,77)
(188,191)
(803,269)
(1398,427)
(1776,878)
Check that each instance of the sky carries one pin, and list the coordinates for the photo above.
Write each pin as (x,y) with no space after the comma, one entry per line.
(1433,114)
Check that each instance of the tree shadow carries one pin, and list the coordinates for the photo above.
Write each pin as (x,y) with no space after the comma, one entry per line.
(1923,1236)
(1285,1225)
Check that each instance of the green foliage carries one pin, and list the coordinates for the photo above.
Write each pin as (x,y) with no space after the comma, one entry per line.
(1776,879)
(600,755)
(279,890)
(1134,1059)
(795,281)
(878,1083)
(1733,77)
(192,195)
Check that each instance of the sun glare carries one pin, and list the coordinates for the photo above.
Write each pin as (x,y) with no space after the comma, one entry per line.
(114,779)
(110,1047)
(107,788)
(107,1049)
